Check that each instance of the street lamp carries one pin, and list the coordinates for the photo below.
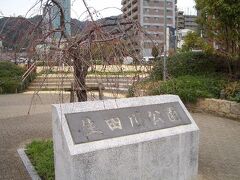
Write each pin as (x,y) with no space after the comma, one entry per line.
(165,42)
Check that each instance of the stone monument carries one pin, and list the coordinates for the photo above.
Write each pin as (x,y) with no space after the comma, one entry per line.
(136,138)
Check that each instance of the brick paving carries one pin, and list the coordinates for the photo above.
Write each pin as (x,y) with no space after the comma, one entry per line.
(219,157)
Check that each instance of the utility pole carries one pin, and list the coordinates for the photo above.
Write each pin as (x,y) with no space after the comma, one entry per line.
(165,44)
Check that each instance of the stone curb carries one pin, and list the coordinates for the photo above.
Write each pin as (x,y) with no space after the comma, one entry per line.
(28,165)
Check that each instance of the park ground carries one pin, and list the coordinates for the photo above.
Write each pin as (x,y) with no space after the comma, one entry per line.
(219,155)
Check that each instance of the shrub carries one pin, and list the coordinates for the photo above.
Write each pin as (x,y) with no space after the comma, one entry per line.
(236,98)
(42,157)
(193,41)
(131,91)
(157,71)
(190,88)
(195,63)
(40,63)
(10,78)
(232,91)
(155,52)
(9,85)
(8,69)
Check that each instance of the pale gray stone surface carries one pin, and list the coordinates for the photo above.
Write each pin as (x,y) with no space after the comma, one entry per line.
(162,154)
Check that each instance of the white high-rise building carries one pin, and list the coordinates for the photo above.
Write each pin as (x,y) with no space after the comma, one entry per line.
(52,16)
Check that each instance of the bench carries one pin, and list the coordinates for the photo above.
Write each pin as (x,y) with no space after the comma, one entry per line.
(92,87)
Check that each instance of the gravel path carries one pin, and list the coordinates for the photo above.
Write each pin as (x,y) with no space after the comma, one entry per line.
(219,157)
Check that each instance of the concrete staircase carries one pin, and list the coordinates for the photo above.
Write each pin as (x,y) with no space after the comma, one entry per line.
(56,82)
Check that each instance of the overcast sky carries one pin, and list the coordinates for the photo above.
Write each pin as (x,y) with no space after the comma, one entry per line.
(21,7)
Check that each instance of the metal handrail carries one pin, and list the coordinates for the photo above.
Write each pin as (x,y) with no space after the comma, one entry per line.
(28,72)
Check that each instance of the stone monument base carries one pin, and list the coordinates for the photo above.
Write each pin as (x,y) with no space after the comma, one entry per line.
(167,154)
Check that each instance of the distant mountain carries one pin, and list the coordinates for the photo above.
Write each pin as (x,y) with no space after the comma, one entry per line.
(14,31)
(17,31)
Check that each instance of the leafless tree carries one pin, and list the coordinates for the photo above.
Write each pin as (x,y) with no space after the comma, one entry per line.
(108,42)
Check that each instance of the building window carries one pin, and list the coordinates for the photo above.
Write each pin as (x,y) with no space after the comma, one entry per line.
(146,18)
(146,10)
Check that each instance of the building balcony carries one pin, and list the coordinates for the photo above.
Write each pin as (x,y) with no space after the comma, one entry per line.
(124,9)
(125,16)
(134,2)
(135,16)
(129,5)
(124,2)
(135,8)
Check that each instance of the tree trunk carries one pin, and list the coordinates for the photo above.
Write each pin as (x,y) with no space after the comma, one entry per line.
(80,73)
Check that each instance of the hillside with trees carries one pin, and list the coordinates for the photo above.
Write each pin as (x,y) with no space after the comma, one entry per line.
(17,31)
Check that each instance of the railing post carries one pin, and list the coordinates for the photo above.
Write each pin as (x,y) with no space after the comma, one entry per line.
(100,91)
(72,93)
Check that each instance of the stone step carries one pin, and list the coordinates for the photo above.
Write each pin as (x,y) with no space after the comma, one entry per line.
(111,84)
(92,76)
(54,82)
(88,80)
(116,90)
(92,94)
(113,90)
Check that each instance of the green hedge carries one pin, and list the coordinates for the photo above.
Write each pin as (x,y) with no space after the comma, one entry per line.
(10,78)
(8,69)
(193,63)
(194,75)
(189,88)
(9,85)
(42,158)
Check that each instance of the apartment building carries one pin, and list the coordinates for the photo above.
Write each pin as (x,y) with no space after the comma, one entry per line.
(190,22)
(186,21)
(150,15)
(180,20)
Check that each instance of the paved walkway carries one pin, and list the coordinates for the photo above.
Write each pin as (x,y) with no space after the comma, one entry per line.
(219,157)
